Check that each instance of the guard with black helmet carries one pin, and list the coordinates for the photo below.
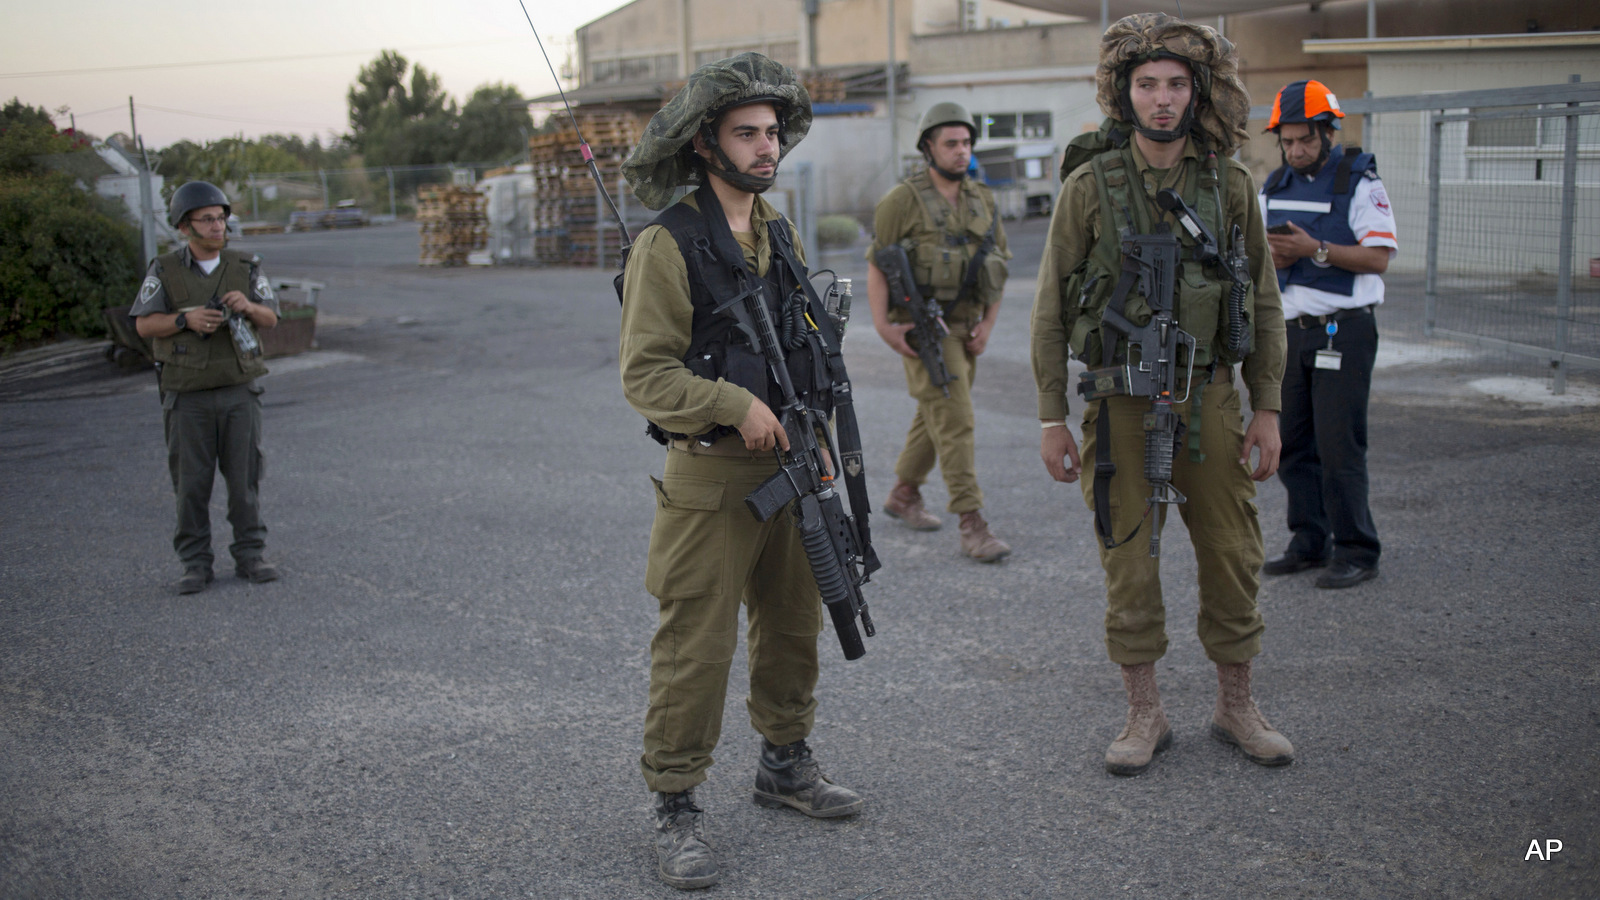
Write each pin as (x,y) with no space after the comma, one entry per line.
(201,307)
(941,230)
(1175,111)
(709,395)
(1332,235)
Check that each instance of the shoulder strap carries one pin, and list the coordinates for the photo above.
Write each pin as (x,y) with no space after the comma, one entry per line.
(1341,173)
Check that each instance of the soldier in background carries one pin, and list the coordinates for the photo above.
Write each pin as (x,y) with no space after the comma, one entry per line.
(200,307)
(950,226)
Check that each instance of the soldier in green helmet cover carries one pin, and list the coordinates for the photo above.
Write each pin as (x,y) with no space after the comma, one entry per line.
(1175,111)
(950,227)
(709,398)
(200,307)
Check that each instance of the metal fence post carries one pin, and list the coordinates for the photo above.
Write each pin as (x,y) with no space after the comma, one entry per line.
(1431,291)
(1569,212)
(390,172)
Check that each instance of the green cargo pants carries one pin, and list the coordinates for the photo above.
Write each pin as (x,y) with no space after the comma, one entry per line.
(208,431)
(944,430)
(1220,516)
(708,555)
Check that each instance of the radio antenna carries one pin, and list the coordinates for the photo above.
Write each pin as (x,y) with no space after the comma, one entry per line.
(583,145)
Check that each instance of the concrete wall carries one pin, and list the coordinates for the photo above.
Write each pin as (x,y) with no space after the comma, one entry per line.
(1037,46)
(851,170)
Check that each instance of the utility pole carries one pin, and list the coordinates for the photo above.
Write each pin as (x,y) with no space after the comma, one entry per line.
(894,121)
(147,209)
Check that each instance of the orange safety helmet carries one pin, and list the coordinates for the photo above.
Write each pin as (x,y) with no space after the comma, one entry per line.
(1305,102)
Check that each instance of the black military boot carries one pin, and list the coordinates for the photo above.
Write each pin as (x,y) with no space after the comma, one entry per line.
(788,776)
(683,857)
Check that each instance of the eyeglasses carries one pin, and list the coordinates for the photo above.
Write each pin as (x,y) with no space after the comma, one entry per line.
(208,220)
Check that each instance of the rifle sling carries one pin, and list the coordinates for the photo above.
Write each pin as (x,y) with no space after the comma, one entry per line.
(846,427)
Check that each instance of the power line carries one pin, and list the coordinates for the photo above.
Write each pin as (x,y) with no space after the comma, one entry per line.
(253,60)
(200,115)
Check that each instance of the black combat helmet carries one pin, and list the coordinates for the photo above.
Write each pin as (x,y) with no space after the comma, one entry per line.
(196,195)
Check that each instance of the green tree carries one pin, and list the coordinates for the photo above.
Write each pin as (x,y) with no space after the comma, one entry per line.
(494,125)
(66,253)
(392,124)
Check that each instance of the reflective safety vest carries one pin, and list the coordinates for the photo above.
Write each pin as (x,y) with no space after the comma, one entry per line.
(1321,206)
(1201,302)
(200,362)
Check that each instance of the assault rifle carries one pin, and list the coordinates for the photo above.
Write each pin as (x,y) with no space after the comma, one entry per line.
(840,560)
(927,329)
(1149,266)
(1235,266)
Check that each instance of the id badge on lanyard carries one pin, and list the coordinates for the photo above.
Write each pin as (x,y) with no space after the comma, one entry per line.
(1329,358)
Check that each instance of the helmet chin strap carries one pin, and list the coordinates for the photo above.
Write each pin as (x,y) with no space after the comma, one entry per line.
(944,173)
(750,184)
(1322,156)
(1166,137)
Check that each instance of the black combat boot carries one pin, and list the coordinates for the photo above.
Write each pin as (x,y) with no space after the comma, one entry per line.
(788,776)
(683,857)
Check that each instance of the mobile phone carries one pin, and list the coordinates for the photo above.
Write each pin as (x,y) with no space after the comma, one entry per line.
(1280,229)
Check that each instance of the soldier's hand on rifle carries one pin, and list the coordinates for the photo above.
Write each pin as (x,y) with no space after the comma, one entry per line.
(894,335)
(1288,249)
(761,429)
(1263,436)
(1060,453)
(978,337)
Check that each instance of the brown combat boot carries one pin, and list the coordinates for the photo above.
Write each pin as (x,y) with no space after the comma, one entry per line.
(1238,721)
(978,543)
(1147,732)
(905,504)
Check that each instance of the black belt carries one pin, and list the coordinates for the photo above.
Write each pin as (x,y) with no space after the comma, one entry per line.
(1309,322)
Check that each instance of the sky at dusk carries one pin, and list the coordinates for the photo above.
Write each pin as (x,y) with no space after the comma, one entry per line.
(281,66)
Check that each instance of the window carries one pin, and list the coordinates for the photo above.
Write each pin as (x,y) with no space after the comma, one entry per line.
(1513,149)
(1013,126)
(635,68)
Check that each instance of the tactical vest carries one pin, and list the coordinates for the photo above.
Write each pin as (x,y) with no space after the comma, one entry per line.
(199,362)
(942,259)
(717,348)
(1201,307)
(1322,207)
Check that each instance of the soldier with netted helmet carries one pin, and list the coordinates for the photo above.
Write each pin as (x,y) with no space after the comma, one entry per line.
(709,397)
(200,307)
(1175,111)
(1332,234)
(949,225)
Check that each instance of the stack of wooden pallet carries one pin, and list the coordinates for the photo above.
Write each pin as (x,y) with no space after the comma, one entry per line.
(566,206)
(452,223)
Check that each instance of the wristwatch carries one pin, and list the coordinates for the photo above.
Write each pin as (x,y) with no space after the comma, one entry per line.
(1321,256)
(182,321)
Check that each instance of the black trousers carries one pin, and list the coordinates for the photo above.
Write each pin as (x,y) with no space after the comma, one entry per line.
(1324,431)
(208,431)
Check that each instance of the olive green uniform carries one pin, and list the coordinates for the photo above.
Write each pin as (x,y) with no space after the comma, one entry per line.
(211,404)
(941,240)
(1220,514)
(708,554)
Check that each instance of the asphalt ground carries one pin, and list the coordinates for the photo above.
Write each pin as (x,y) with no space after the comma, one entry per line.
(443,696)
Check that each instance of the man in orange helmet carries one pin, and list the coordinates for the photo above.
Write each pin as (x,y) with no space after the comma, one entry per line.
(1332,235)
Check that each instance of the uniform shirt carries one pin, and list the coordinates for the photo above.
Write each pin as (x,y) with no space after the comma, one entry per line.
(153,294)
(1075,228)
(899,215)
(1372,222)
(657,326)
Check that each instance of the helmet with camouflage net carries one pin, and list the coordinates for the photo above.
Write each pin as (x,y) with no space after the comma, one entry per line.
(665,159)
(1221,106)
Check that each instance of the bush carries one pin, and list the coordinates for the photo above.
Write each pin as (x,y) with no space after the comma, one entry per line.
(65,255)
(834,232)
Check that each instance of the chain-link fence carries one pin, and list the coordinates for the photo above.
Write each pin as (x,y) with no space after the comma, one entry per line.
(1496,195)
(282,199)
